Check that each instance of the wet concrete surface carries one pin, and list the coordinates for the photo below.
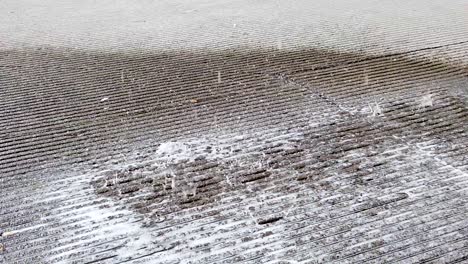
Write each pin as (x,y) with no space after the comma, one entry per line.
(252,156)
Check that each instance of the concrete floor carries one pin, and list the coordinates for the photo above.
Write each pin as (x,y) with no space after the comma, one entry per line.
(233,132)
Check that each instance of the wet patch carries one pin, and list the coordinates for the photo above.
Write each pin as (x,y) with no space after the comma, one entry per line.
(194,172)
(231,156)
(88,103)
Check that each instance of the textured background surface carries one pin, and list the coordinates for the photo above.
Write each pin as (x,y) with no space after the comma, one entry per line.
(233,132)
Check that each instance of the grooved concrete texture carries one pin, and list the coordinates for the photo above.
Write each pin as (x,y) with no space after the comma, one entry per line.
(233,132)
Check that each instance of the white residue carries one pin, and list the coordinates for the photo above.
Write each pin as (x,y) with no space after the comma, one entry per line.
(174,151)
(426,101)
(97,224)
(375,109)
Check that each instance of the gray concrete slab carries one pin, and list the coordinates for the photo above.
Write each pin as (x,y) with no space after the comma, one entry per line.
(233,132)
